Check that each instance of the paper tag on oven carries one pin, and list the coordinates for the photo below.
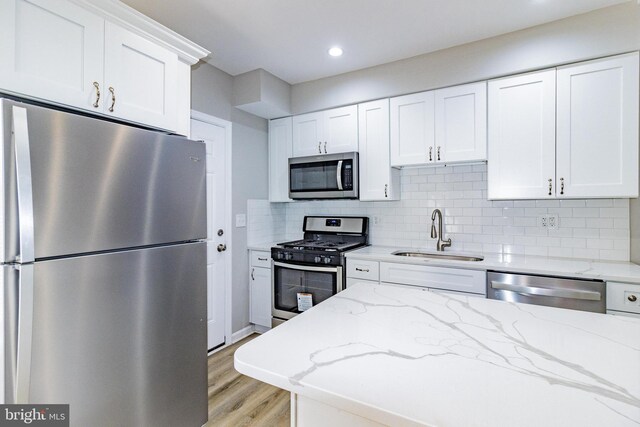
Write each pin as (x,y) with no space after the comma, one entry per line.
(305,301)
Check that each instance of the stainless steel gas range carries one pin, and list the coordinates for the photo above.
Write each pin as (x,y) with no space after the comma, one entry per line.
(308,271)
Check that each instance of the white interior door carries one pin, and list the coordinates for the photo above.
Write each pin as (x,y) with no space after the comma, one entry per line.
(215,137)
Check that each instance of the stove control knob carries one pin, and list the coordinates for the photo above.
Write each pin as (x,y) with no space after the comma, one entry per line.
(317,260)
(280,255)
(327,260)
(288,256)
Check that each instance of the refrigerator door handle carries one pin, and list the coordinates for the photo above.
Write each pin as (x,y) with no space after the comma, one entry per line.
(20,133)
(25,333)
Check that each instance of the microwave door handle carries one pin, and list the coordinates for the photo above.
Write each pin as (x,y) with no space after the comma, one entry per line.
(23,184)
(339,175)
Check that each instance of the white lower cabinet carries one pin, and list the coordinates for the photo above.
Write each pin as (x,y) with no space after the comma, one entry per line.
(352,281)
(451,279)
(623,299)
(260,288)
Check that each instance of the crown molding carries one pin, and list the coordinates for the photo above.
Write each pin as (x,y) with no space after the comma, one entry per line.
(119,13)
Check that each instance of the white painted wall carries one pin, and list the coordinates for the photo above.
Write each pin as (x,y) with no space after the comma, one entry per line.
(603,32)
(211,93)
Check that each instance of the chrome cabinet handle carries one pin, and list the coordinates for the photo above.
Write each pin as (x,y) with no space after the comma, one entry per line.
(550,185)
(438,152)
(632,298)
(113,98)
(430,154)
(325,147)
(561,186)
(252,271)
(222,247)
(319,147)
(386,186)
(97,103)
(261,259)
(364,270)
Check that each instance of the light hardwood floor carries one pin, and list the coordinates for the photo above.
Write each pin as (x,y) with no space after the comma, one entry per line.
(237,400)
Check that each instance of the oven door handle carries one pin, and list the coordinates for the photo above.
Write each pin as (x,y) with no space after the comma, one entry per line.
(306,267)
(548,292)
(339,175)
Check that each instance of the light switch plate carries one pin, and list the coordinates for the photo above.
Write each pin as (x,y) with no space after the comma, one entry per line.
(241,220)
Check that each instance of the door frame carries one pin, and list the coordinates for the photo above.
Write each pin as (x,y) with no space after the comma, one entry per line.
(227,125)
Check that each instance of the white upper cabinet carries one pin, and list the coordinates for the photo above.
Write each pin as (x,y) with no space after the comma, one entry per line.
(521,163)
(52,50)
(326,132)
(576,139)
(412,129)
(341,130)
(597,128)
(461,123)
(378,180)
(308,134)
(140,79)
(280,149)
(71,53)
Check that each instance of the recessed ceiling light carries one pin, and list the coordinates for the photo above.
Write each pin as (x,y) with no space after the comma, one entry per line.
(335,51)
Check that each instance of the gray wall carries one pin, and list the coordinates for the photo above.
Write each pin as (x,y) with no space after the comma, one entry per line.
(603,32)
(211,93)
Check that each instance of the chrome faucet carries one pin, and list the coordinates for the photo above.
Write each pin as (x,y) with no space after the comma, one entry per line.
(441,243)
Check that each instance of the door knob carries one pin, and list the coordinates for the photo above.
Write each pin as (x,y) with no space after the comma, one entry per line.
(220,232)
(222,247)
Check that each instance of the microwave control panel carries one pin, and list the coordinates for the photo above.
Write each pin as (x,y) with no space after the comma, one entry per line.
(348,176)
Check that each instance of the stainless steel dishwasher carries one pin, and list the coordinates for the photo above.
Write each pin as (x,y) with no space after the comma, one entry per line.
(575,294)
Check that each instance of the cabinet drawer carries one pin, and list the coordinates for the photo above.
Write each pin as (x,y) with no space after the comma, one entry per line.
(452,279)
(261,259)
(352,281)
(623,297)
(358,269)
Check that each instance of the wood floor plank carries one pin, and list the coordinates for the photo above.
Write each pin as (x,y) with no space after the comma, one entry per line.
(237,400)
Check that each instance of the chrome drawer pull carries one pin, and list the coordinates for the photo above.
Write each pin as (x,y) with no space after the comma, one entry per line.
(261,259)
(362,269)
(632,298)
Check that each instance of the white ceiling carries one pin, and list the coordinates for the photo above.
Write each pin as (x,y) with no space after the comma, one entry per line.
(290,38)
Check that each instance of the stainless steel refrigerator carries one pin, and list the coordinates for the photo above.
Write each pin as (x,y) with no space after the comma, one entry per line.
(104,269)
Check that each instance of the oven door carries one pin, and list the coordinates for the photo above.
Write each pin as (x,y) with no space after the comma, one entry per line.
(290,279)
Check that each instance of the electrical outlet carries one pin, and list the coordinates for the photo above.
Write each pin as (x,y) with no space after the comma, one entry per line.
(549,221)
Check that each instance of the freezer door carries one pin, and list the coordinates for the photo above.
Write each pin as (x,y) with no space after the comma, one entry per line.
(121,337)
(97,185)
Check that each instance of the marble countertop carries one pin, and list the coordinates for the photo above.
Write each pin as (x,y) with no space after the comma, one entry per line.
(566,267)
(407,356)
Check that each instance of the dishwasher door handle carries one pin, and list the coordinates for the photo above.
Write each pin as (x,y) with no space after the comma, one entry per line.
(548,292)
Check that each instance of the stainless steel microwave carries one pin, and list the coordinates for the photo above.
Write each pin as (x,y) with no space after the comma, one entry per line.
(329,176)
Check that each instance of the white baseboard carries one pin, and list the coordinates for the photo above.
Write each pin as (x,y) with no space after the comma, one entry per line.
(242,334)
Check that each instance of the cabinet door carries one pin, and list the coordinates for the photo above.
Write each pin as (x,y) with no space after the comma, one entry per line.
(378,181)
(597,153)
(412,129)
(140,79)
(461,123)
(341,130)
(280,149)
(260,296)
(51,50)
(308,134)
(522,117)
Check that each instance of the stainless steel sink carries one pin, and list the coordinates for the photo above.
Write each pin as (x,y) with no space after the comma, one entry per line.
(438,256)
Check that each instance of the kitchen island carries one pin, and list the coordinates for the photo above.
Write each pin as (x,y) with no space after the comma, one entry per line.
(396,355)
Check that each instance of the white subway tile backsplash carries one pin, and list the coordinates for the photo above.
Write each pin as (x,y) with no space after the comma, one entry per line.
(594,229)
